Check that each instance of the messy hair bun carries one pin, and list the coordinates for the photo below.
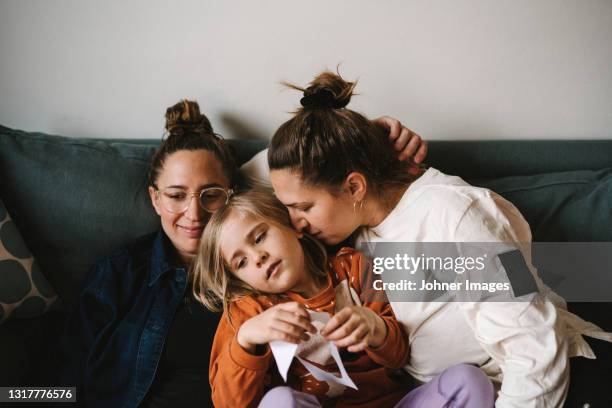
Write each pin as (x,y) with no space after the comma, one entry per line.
(326,91)
(324,141)
(188,129)
(185,116)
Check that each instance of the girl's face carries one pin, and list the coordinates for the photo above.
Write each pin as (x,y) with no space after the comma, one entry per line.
(265,255)
(329,218)
(190,171)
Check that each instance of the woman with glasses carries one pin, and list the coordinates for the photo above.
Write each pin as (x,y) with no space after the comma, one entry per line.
(138,337)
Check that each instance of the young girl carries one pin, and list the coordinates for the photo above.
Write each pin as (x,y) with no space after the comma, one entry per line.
(267,276)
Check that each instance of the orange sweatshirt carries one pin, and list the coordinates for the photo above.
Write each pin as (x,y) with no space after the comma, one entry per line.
(240,379)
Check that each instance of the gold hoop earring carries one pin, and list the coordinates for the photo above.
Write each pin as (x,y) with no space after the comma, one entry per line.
(355,206)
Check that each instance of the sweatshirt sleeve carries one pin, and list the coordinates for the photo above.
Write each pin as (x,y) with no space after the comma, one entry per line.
(237,377)
(524,337)
(393,353)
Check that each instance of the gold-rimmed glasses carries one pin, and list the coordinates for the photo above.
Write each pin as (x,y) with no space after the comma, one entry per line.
(176,200)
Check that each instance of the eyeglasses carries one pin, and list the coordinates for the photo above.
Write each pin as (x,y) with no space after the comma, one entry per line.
(177,200)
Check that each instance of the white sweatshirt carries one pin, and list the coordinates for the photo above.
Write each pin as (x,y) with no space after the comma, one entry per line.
(523,345)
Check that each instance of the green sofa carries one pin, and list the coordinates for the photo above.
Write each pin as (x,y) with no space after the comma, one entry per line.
(75,200)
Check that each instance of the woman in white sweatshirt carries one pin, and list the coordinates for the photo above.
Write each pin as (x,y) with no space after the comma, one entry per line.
(337,182)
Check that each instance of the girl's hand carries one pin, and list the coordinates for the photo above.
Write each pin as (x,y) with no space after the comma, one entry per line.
(285,321)
(356,327)
(404,140)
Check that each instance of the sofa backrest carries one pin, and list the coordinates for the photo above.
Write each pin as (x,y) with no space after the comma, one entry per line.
(75,200)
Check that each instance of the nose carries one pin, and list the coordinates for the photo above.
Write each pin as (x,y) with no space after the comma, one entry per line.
(194,211)
(262,257)
(298,222)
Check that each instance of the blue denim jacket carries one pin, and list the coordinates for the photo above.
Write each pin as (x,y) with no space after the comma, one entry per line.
(114,339)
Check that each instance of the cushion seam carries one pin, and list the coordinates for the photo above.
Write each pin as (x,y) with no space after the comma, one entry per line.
(542,186)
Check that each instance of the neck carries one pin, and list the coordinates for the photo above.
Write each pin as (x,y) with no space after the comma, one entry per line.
(185,259)
(377,209)
(308,287)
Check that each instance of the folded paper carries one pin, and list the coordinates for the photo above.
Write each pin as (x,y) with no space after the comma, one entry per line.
(284,353)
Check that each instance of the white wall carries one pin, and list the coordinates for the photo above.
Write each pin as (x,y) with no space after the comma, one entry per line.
(449,68)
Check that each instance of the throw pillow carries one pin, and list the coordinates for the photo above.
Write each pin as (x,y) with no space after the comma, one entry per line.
(24,291)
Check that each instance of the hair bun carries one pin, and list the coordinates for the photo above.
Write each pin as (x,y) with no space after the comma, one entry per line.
(185,116)
(322,98)
(328,91)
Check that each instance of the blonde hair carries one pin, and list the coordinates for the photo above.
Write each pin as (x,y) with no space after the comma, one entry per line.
(214,285)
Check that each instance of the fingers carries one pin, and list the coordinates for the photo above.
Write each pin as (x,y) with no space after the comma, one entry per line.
(296,320)
(336,321)
(421,153)
(294,307)
(289,322)
(357,335)
(288,337)
(394,126)
(358,347)
(412,146)
(402,141)
(346,329)
(289,330)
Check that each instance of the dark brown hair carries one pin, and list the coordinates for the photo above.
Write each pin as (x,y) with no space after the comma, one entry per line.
(188,129)
(324,142)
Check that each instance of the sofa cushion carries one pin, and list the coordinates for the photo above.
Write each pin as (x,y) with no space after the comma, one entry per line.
(568,206)
(76,200)
(24,291)
(14,356)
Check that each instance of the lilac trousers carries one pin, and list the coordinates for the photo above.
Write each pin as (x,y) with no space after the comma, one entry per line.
(460,386)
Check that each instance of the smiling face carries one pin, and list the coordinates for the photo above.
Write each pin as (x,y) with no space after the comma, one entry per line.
(192,171)
(263,254)
(329,218)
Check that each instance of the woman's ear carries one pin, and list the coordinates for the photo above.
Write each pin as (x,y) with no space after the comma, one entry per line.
(154,201)
(356,185)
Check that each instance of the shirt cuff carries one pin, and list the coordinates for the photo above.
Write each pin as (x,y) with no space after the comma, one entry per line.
(247,360)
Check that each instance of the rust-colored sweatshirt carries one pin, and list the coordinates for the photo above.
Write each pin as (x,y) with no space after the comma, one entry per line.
(240,379)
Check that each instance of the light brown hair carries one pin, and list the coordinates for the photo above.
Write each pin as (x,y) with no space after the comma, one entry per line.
(214,285)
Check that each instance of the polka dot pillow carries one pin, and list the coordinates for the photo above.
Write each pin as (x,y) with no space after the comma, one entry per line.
(24,291)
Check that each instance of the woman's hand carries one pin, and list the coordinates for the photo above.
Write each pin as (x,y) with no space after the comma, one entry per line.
(285,321)
(356,327)
(404,140)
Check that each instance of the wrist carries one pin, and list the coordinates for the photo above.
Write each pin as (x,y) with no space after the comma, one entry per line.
(245,344)
(379,334)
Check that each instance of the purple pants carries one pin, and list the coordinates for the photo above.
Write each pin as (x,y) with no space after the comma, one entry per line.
(461,386)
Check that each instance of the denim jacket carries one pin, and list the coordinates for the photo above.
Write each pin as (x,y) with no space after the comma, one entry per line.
(114,338)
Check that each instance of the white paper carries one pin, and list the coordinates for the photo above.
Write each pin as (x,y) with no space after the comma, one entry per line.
(284,353)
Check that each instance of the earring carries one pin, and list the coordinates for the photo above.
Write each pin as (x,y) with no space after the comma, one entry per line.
(355,206)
